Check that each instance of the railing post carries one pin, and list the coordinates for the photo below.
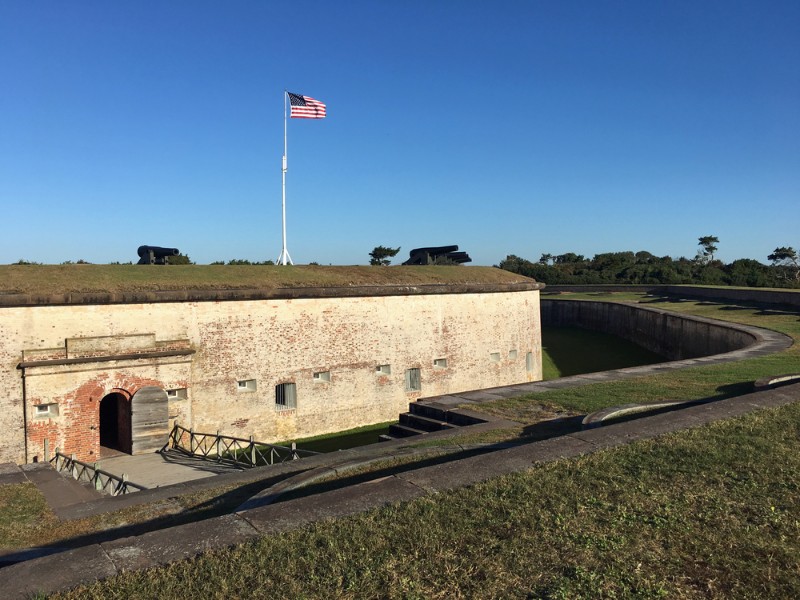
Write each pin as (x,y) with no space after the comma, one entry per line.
(97,484)
(74,468)
(252,451)
(294,451)
(123,485)
(191,441)
(217,443)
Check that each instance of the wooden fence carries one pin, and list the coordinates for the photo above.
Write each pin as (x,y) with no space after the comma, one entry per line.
(102,481)
(243,452)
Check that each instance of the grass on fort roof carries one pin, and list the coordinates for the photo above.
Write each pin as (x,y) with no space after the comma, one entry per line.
(61,279)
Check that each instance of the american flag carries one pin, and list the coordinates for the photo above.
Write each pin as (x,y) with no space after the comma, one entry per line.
(305,107)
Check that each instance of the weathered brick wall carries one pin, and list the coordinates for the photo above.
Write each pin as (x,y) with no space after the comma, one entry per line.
(484,338)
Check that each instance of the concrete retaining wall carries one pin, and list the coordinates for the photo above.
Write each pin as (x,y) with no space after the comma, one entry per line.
(672,335)
(758,295)
(784,297)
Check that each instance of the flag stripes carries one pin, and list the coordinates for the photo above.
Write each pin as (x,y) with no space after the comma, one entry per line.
(305,107)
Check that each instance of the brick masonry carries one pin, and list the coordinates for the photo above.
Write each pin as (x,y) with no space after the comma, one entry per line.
(74,355)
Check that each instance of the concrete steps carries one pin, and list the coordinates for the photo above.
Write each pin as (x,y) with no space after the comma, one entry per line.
(427,417)
(409,419)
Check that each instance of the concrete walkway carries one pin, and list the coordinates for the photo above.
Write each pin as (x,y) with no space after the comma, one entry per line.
(155,469)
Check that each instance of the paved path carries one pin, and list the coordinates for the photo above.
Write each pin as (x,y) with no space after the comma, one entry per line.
(155,470)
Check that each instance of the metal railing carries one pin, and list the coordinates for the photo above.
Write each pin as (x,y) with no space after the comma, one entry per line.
(102,481)
(244,452)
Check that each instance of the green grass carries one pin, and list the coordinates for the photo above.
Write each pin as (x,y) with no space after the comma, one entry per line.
(61,279)
(352,438)
(571,351)
(706,513)
(26,520)
(21,508)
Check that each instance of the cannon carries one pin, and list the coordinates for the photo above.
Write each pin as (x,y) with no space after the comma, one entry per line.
(155,255)
(428,256)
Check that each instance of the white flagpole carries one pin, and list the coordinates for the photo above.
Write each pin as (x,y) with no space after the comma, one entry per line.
(284,258)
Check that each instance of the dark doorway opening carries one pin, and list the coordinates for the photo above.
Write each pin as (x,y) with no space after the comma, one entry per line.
(115,422)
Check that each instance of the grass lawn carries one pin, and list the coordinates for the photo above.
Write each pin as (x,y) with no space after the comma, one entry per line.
(61,279)
(352,438)
(706,513)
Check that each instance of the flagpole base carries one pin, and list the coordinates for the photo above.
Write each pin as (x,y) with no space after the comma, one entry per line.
(284,258)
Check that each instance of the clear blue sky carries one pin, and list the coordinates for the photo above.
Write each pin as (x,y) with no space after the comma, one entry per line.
(516,127)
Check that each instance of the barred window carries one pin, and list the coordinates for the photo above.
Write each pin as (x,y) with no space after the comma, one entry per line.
(285,396)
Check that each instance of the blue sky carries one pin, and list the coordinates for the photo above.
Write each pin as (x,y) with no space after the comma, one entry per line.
(504,127)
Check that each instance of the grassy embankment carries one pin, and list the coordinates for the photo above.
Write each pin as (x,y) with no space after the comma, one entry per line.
(713,512)
(48,280)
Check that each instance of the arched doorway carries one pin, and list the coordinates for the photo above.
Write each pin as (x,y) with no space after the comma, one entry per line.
(115,422)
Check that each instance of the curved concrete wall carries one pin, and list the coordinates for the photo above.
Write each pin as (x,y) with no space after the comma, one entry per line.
(786,297)
(672,335)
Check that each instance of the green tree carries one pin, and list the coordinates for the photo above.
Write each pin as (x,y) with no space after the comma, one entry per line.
(381,254)
(748,272)
(180,259)
(786,260)
(708,245)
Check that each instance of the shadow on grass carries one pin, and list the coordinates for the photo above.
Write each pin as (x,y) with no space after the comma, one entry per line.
(758,308)
(219,505)
(532,433)
(545,430)
(371,475)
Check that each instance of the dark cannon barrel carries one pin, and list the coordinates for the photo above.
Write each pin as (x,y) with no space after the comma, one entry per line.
(155,255)
(157,250)
(459,257)
(427,256)
(435,250)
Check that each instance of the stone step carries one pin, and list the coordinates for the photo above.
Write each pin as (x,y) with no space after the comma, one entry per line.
(448,414)
(423,423)
(399,431)
(427,410)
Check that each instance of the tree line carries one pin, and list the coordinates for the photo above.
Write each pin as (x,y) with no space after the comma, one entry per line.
(645,268)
